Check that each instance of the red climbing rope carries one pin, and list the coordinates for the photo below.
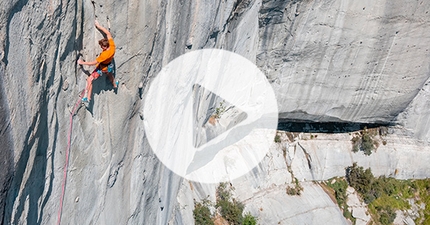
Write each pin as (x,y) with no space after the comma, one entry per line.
(66,164)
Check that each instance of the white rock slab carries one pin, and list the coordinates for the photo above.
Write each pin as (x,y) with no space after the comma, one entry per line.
(331,154)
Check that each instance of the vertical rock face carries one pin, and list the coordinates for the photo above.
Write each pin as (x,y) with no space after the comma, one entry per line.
(6,150)
(113,176)
(344,60)
(416,117)
(328,61)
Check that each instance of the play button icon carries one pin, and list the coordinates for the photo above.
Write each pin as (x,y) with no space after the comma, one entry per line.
(210,122)
(210,115)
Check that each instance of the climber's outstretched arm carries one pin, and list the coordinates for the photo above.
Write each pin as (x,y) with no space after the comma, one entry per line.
(104,30)
(92,63)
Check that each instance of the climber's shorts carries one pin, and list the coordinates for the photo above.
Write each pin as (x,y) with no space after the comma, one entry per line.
(98,72)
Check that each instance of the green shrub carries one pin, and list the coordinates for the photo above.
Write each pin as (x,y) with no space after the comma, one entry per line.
(339,187)
(422,187)
(231,211)
(386,215)
(249,220)
(202,214)
(359,179)
(367,144)
(364,142)
(277,138)
(381,194)
(385,195)
(220,110)
(296,190)
(230,208)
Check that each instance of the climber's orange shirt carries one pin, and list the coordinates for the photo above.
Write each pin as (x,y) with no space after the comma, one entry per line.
(106,56)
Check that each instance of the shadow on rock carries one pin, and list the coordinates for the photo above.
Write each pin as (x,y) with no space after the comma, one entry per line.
(28,188)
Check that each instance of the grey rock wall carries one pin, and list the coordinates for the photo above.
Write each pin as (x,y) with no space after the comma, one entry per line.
(416,117)
(312,158)
(6,150)
(344,60)
(113,176)
(327,60)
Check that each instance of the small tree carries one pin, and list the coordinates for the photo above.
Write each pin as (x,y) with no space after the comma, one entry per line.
(202,214)
(361,180)
(364,142)
(230,208)
(367,144)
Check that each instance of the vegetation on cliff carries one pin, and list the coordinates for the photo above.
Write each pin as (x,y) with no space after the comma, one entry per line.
(383,195)
(227,209)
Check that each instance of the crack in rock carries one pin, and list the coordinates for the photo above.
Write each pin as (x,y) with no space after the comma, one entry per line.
(112,177)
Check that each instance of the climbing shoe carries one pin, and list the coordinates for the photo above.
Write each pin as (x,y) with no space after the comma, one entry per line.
(117,83)
(85,99)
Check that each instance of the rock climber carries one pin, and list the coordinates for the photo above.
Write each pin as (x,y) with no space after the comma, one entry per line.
(103,62)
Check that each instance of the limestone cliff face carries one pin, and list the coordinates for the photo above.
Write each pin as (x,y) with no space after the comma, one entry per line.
(327,60)
(113,176)
(345,60)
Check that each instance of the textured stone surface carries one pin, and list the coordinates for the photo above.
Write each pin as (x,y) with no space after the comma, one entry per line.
(344,60)
(312,207)
(6,149)
(415,118)
(331,154)
(322,157)
(113,175)
(331,60)
(357,207)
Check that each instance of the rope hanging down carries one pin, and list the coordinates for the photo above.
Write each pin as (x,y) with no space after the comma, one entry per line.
(66,163)
(69,136)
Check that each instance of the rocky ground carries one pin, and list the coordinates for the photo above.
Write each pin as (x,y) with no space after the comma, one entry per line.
(313,158)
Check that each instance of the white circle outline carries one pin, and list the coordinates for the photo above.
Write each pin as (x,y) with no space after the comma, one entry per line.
(168,114)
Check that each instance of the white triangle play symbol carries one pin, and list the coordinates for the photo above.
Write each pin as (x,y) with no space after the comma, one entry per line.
(212,115)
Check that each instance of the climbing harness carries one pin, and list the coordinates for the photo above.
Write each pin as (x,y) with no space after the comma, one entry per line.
(66,163)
